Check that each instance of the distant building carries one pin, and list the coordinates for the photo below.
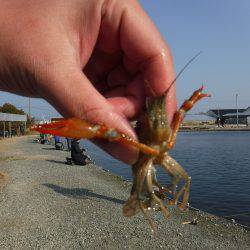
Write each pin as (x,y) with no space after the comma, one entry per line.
(229,116)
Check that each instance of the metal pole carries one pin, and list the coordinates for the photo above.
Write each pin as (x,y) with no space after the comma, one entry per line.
(29,106)
(218,117)
(237,113)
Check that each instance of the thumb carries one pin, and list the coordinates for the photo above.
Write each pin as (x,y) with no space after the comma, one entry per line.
(73,95)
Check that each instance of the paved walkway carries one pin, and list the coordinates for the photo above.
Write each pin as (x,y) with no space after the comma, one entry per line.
(47,204)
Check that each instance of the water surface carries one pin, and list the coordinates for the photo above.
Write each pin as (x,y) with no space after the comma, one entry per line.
(218,163)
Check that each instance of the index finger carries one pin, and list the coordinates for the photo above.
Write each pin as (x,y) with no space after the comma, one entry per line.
(142,44)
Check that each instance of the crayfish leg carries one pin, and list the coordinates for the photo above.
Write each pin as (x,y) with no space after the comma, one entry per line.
(154,196)
(152,224)
(178,173)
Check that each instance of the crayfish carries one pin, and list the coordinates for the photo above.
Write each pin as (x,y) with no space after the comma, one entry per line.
(155,138)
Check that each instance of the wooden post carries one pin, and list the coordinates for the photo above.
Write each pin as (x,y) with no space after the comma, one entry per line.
(3,129)
(10,129)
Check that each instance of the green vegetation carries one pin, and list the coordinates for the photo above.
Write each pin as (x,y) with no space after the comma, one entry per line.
(9,108)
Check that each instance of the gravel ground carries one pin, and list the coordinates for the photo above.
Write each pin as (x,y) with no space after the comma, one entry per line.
(47,204)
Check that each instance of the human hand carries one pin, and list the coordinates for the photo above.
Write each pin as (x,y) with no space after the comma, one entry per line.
(96,60)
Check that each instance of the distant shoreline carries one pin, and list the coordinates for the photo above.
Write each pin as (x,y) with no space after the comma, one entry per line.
(212,129)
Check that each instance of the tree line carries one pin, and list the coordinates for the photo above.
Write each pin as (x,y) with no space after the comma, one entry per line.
(9,108)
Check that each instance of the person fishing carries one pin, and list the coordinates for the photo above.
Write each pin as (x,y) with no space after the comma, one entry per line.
(58,143)
(77,154)
(68,140)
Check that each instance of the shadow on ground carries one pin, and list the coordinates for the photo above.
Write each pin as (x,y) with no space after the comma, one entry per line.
(55,161)
(80,193)
(49,148)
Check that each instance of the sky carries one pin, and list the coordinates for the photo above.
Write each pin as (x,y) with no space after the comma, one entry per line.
(221,30)
(218,28)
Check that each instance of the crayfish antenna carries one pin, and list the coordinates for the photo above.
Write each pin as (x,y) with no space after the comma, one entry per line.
(181,71)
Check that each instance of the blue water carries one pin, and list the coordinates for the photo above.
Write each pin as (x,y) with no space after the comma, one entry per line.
(219,164)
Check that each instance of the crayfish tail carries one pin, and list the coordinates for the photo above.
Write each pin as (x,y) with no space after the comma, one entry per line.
(130,208)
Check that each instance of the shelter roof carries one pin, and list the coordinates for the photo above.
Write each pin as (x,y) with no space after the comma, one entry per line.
(215,113)
(12,117)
